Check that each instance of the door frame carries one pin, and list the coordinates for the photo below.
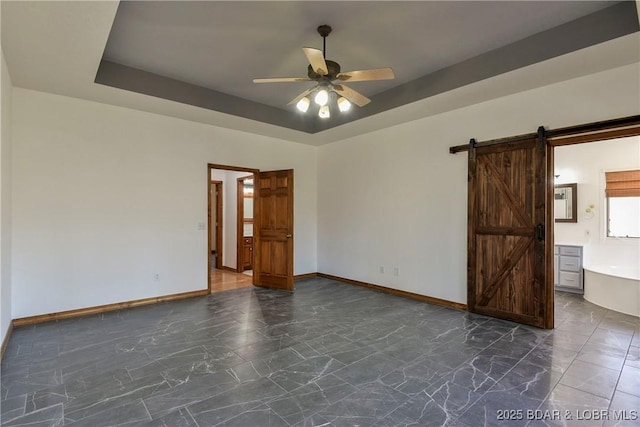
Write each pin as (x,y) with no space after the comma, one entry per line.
(240,221)
(210,167)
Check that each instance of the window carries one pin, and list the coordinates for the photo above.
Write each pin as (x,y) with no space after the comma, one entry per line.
(623,203)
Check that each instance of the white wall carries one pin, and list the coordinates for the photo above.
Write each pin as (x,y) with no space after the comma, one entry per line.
(397,198)
(105,197)
(585,165)
(230,213)
(5,201)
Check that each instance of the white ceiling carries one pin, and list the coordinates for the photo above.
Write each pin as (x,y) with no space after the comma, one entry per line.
(57,47)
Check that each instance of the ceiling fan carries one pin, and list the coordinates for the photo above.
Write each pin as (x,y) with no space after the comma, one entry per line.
(329,79)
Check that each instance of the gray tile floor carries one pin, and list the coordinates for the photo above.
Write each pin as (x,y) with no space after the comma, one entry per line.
(329,354)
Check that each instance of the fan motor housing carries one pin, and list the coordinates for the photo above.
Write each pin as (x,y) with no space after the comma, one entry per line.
(332,67)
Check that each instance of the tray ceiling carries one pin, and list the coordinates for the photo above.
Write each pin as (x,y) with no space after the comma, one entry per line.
(204,55)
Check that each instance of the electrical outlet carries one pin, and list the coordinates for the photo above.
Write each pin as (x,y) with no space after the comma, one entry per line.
(396,271)
(201,226)
(381,269)
(587,233)
(156,277)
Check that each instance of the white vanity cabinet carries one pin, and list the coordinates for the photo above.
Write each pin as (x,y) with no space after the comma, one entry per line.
(568,268)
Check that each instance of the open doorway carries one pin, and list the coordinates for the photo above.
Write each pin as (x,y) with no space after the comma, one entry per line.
(596,228)
(230,235)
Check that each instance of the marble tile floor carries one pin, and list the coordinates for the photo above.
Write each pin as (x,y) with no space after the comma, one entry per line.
(330,354)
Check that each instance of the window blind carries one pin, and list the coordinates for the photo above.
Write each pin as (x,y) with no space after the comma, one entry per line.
(623,184)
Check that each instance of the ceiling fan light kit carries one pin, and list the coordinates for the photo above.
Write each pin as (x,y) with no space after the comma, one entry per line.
(303,104)
(322,97)
(343,104)
(324,113)
(324,72)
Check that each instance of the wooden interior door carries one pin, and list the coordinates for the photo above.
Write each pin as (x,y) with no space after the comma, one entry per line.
(273,211)
(506,236)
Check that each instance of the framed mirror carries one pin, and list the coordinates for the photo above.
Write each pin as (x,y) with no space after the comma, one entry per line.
(565,203)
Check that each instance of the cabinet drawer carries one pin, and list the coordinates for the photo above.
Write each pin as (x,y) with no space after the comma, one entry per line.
(570,250)
(570,280)
(569,263)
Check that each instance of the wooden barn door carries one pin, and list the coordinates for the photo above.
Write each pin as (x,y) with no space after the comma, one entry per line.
(273,196)
(507,228)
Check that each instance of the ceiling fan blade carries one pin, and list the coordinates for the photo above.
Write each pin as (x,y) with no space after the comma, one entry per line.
(282,80)
(302,95)
(316,59)
(352,95)
(365,75)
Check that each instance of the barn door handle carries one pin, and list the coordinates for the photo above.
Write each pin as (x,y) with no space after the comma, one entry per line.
(540,232)
(288,236)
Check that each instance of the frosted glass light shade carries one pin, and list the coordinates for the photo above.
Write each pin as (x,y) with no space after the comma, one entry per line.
(303,104)
(324,112)
(322,97)
(344,104)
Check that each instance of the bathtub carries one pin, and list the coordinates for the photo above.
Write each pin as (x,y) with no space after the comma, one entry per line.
(613,287)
